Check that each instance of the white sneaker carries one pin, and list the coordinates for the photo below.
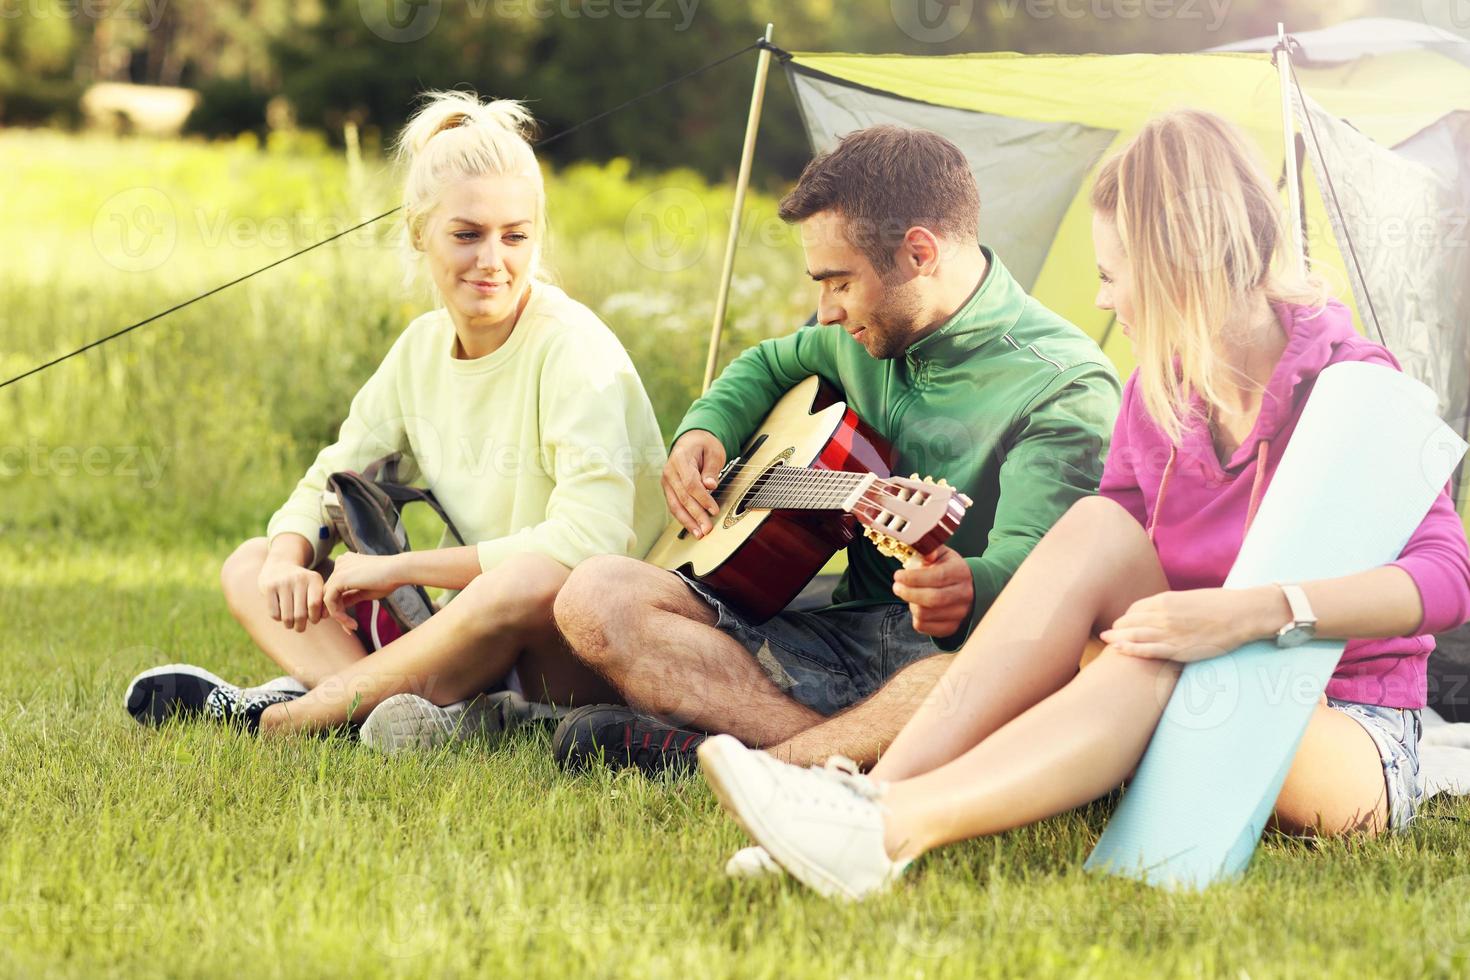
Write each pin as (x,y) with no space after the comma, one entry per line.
(407,721)
(823,825)
(752,862)
(286,684)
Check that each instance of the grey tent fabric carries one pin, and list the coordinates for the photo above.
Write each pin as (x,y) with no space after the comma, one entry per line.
(1365,36)
(1406,222)
(1032,170)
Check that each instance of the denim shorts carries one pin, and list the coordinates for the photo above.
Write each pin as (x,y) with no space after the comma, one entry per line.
(1395,731)
(827,659)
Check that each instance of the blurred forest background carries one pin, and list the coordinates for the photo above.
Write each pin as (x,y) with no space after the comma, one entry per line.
(319,64)
(154,149)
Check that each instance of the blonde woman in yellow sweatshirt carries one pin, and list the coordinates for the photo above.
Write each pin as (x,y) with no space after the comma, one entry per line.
(525,416)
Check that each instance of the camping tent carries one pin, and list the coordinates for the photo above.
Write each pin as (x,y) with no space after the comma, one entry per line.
(1386,119)
(1389,107)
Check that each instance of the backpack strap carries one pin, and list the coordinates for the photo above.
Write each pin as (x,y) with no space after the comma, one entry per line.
(387,474)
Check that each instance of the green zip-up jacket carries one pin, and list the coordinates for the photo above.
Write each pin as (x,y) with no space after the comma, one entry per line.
(1007,401)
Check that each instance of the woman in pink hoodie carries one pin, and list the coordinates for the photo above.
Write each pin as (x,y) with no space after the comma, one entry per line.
(1188,233)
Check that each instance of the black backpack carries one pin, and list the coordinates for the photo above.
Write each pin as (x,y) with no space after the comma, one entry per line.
(365,510)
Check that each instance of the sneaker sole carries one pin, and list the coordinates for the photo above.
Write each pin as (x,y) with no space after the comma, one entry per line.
(152,700)
(407,722)
(715,761)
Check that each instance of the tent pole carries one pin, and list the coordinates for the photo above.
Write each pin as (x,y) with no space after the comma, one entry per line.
(747,156)
(1288,134)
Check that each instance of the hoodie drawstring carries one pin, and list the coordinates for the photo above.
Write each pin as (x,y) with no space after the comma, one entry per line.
(1263,451)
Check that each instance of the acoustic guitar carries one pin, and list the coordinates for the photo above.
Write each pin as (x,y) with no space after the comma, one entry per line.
(800,488)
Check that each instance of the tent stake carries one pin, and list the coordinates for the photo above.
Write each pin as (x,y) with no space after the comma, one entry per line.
(747,156)
(1288,135)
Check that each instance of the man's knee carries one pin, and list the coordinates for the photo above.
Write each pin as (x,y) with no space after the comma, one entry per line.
(240,573)
(584,597)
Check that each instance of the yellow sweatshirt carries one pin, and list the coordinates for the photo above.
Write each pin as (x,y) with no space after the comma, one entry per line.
(546,445)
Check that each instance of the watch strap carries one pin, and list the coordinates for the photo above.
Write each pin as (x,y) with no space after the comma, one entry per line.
(1301,609)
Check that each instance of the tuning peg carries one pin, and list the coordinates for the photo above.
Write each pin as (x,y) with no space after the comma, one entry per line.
(913,476)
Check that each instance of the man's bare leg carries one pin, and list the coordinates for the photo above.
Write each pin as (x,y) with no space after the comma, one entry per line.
(864,731)
(655,640)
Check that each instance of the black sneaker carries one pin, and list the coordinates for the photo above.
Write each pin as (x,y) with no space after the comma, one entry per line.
(174,689)
(236,706)
(616,735)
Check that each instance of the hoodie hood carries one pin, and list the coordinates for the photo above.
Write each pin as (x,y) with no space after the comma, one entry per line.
(1316,337)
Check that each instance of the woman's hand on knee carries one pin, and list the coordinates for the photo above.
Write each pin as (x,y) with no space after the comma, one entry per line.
(294,595)
(1191,625)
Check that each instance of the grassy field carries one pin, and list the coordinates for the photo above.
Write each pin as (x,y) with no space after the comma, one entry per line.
(192,850)
(128,474)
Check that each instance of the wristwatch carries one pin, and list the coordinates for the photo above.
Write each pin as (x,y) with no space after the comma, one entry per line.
(1303,625)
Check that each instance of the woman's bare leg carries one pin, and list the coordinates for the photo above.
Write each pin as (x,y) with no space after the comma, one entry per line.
(311,655)
(1336,782)
(1072,747)
(1087,738)
(1085,573)
(499,620)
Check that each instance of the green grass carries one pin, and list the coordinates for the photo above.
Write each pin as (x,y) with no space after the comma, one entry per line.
(126,851)
(193,851)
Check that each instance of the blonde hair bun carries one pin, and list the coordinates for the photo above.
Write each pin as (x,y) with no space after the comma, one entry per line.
(455,136)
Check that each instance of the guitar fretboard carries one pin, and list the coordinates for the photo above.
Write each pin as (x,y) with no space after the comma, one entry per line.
(799,488)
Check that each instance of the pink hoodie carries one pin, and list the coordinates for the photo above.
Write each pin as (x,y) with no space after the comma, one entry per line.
(1197,511)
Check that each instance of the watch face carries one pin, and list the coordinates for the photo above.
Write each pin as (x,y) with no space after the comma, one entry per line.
(1295,636)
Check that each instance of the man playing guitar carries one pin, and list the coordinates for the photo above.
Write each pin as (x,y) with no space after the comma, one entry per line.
(939,350)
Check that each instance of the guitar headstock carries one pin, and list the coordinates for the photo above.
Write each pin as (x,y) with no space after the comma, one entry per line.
(910,517)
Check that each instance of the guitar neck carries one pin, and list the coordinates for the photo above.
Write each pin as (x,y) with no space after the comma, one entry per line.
(800,488)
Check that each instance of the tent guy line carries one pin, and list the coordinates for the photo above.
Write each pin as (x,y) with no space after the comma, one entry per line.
(315,245)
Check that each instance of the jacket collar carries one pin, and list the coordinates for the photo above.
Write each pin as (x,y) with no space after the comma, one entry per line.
(992,310)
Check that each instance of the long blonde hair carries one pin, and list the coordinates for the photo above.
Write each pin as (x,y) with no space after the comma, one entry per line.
(1203,229)
(455,136)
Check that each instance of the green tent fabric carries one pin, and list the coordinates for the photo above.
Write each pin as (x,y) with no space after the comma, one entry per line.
(1035,127)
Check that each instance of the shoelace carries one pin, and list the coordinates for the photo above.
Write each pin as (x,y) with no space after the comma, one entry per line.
(651,751)
(843,771)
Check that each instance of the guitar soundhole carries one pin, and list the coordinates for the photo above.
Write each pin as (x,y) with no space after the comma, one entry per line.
(756,487)
(739,511)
